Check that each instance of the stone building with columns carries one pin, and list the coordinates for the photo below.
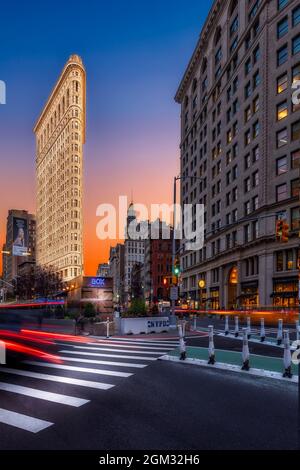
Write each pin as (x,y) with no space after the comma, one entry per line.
(240,133)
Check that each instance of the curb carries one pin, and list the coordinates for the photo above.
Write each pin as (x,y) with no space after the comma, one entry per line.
(230,367)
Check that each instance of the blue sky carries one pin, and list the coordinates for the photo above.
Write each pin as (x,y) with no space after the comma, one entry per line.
(135,53)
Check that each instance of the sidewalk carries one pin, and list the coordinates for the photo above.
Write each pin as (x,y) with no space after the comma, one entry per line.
(264,366)
(162,336)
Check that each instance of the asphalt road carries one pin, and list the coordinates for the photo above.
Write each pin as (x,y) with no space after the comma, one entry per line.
(162,406)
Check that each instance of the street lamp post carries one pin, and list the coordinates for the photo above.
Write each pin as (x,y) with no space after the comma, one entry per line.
(177,178)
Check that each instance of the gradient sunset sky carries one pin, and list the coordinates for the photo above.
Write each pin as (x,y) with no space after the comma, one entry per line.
(135,53)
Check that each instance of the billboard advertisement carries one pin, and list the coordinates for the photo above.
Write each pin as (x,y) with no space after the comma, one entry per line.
(20,236)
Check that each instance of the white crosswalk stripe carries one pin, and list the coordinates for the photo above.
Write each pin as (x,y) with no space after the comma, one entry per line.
(27,423)
(48,396)
(115,358)
(111,373)
(99,348)
(83,353)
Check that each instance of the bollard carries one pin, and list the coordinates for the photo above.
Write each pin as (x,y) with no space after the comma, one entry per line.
(211,346)
(182,349)
(297,333)
(248,327)
(262,330)
(236,329)
(180,331)
(280,332)
(226,325)
(245,353)
(287,356)
(107,328)
(2,353)
(195,322)
(183,328)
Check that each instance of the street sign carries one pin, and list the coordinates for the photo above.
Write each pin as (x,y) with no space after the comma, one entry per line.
(174,293)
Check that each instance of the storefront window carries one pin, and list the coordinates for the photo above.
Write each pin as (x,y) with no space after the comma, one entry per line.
(289,260)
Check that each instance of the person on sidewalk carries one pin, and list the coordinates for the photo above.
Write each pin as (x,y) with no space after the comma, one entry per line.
(182,349)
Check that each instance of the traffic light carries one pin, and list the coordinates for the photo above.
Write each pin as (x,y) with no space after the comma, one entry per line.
(285,233)
(279,230)
(177,267)
(282,231)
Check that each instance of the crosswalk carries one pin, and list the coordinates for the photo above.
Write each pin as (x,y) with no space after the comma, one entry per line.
(85,368)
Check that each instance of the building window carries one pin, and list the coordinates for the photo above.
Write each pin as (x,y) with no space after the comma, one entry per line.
(247,208)
(247,138)
(247,233)
(282,110)
(255,203)
(256,105)
(296,73)
(282,138)
(290,260)
(281,192)
(295,159)
(296,45)
(255,179)
(247,161)
(282,4)
(282,55)
(282,83)
(281,165)
(255,130)
(248,114)
(256,55)
(279,261)
(253,10)
(248,66)
(255,231)
(247,185)
(282,27)
(234,26)
(296,130)
(296,16)
(295,188)
(248,90)
(255,154)
(295,218)
(256,80)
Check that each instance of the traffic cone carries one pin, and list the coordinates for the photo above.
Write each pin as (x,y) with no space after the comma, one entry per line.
(297,334)
(226,325)
(211,346)
(236,329)
(249,327)
(287,356)
(280,332)
(245,353)
(262,330)
(182,349)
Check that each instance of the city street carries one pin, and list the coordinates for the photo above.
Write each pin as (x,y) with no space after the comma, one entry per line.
(117,395)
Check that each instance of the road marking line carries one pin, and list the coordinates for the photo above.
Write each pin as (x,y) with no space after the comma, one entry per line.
(159,353)
(27,423)
(57,378)
(104,363)
(80,369)
(119,356)
(42,395)
(115,345)
(133,342)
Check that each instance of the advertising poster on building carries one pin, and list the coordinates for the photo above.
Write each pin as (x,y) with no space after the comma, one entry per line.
(20,236)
